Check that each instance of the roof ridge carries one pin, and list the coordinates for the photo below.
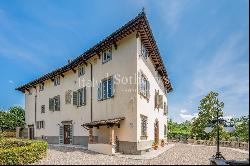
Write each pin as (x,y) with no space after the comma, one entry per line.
(132,25)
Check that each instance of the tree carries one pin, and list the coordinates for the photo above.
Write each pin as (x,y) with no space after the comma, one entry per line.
(180,130)
(241,128)
(12,118)
(18,115)
(209,106)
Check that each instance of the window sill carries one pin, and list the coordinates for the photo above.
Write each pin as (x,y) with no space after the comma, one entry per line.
(144,96)
(144,137)
(81,105)
(106,98)
(103,62)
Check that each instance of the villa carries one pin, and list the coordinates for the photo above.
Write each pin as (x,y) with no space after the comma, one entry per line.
(112,98)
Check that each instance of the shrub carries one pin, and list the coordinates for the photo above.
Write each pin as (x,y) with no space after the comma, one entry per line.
(8,134)
(11,143)
(23,152)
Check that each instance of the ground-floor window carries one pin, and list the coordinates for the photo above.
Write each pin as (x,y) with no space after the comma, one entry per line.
(40,124)
(144,124)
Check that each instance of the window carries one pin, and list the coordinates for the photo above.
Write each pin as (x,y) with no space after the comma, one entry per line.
(40,124)
(68,97)
(106,55)
(54,103)
(79,97)
(106,89)
(57,80)
(81,70)
(165,130)
(144,85)
(144,51)
(144,123)
(158,100)
(41,87)
(165,109)
(42,109)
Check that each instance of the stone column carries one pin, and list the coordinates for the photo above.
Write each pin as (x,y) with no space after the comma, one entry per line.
(18,132)
(91,140)
(111,135)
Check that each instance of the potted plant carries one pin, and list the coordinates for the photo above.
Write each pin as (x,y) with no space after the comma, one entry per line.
(155,146)
(162,143)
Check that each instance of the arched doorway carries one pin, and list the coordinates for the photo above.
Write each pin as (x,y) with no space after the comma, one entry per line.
(156,131)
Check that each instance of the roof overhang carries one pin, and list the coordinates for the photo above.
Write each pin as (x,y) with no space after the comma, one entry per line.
(108,122)
(139,25)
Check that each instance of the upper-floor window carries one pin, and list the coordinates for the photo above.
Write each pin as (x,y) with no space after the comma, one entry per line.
(54,103)
(143,85)
(81,70)
(68,96)
(57,80)
(79,97)
(158,100)
(41,87)
(107,55)
(165,108)
(42,108)
(106,89)
(144,51)
(40,124)
(144,126)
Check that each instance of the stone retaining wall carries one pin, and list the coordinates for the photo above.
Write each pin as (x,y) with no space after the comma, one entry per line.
(231,144)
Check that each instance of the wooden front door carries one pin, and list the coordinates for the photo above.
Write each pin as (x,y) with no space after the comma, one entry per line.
(156,132)
(31,132)
(66,134)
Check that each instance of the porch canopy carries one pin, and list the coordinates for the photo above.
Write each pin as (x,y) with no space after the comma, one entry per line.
(110,123)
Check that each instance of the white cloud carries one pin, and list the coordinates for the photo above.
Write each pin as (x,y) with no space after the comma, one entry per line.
(228,117)
(172,12)
(227,73)
(188,117)
(11,82)
(183,111)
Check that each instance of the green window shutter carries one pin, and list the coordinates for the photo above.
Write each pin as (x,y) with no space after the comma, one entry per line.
(113,86)
(61,132)
(59,103)
(51,104)
(99,91)
(139,82)
(75,98)
(84,95)
(71,134)
(148,89)
(160,101)
(156,99)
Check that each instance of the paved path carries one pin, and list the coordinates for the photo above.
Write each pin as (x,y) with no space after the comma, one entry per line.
(180,154)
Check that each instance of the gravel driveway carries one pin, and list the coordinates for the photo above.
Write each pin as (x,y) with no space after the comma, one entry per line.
(179,155)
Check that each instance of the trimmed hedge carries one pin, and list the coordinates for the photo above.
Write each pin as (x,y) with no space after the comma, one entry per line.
(23,152)
(8,134)
(11,143)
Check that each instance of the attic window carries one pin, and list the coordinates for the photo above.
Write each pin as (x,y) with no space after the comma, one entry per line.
(41,87)
(81,70)
(106,55)
(57,80)
(144,51)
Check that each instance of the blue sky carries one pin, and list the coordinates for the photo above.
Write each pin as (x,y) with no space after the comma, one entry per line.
(204,44)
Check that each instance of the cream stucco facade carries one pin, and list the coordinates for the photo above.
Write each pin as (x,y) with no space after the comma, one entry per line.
(126,101)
